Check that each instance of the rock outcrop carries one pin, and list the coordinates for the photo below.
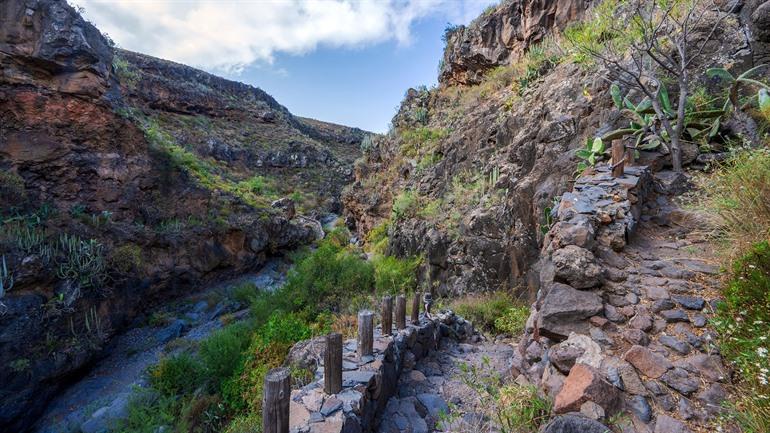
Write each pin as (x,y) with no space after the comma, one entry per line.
(502,35)
(126,180)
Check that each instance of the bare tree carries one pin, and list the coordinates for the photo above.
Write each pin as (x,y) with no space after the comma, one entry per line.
(659,41)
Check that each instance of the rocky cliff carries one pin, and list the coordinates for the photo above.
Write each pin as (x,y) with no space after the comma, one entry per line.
(468,174)
(502,35)
(128,180)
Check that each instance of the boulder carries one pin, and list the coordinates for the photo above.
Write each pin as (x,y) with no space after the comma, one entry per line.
(583,384)
(286,205)
(647,362)
(576,349)
(564,310)
(666,424)
(574,424)
(680,380)
(307,354)
(578,231)
(577,267)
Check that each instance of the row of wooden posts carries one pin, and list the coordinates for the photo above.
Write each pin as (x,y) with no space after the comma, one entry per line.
(277,390)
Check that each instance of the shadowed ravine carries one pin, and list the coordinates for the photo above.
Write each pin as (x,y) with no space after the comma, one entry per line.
(101,396)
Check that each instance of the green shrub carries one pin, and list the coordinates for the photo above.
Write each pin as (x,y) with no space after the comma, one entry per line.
(420,140)
(743,324)
(509,408)
(147,413)
(264,304)
(338,236)
(222,353)
(126,258)
(395,276)
(521,409)
(254,185)
(249,423)
(428,160)
(126,72)
(377,238)
(512,321)
(431,209)
(283,328)
(177,375)
(596,31)
(324,279)
(244,293)
(404,205)
(487,311)
(242,393)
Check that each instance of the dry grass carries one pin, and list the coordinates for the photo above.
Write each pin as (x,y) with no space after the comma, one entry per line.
(738,195)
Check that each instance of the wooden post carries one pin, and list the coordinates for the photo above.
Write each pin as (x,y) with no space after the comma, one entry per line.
(400,312)
(416,308)
(365,333)
(618,157)
(387,315)
(275,403)
(630,156)
(333,364)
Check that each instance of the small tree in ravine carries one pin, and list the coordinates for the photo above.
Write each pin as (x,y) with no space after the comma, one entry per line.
(656,42)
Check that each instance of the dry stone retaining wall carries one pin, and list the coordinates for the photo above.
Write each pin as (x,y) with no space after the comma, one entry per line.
(368,383)
(619,326)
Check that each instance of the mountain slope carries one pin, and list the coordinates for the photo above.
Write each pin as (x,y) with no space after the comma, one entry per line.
(469,172)
(126,181)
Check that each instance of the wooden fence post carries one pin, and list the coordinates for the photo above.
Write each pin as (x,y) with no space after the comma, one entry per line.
(365,333)
(333,364)
(400,312)
(275,402)
(387,315)
(416,308)
(630,156)
(618,158)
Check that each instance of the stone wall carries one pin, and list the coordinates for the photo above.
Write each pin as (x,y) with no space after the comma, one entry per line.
(366,384)
(620,322)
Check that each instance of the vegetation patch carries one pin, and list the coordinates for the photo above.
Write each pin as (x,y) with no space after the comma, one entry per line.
(395,276)
(496,313)
(737,194)
(509,407)
(743,323)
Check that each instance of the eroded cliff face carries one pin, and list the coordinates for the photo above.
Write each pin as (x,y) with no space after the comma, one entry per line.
(468,174)
(502,35)
(126,181)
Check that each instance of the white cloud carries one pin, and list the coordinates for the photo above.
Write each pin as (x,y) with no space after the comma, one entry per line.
(227,35)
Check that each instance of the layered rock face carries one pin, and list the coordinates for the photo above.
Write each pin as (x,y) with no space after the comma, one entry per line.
(126,181)
(502,35)
(241,129)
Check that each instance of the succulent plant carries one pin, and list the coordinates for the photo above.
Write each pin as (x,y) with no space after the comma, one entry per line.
(644,122)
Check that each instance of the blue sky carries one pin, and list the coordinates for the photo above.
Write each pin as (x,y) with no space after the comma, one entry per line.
(342,61)
(353,86)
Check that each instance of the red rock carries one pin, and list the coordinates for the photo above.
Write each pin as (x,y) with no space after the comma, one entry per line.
(584,384)
(647,362)
(598,321)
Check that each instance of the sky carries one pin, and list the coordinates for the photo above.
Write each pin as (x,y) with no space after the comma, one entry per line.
(342,61)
